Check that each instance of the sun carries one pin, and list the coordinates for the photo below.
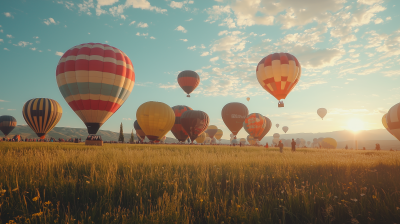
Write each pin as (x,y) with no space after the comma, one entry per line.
(355,124)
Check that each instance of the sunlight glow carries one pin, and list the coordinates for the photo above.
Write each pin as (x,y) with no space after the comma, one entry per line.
(355,124)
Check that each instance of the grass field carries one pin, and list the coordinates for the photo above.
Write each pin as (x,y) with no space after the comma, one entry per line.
(72,183)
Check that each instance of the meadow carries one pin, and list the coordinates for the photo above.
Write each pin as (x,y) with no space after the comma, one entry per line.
(122,183)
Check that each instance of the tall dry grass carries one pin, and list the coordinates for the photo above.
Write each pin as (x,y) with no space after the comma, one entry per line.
(73,183)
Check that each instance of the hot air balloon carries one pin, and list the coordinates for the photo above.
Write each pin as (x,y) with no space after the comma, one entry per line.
(393,120)
(194,122)
(277,125)
(207,140)
(251,140)
(219,134)
(177,130)
(233,115)
(254,124)
(268,125)
(329,143)
(188,80)
(278,74)
(200,139)
(42,115)
(162,140)
(213,141)
(139,131)
(276,135)
(211,130)
(285,128)
(7,124)
(95,79)
(384,122)
(248,99)
(156,119)
(322,112)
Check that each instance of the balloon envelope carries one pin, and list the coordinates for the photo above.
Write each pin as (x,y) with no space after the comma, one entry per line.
(278,74)
(268,125)
(177,130)
(322,112)
(194,122)
(276,135)
(219,134)
(384,122)
(233,115)
(156,119)
(248,99)
(139,130)
(393,120)
(254,124)
(7,124)
(188,80)
(211,130)
(42,115)
(200,139)
(277,125)
(285,128)
(95,79)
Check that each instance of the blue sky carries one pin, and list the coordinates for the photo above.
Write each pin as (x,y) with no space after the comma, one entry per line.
(349,52)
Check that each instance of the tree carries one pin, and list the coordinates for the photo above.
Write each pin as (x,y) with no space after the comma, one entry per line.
(132,138)
(121,134)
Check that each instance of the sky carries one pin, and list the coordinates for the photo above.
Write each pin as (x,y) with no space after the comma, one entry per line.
(349,51)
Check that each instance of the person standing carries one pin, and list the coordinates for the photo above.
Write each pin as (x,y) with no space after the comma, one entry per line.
(280,146)
(266,145)
(293,145)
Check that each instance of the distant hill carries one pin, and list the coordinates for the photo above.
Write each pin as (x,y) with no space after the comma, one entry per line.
(367,138)
(65,133)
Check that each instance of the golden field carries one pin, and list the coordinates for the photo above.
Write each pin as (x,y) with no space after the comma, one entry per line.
(122,183)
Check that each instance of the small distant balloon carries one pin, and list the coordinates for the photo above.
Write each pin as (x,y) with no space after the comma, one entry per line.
(7,124)
(188,80)
(322,112)
(285,128)
(248,99)
(277,125)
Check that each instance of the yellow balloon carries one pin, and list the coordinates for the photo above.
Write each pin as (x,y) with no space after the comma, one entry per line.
(200,139)
(156,119)
(329,143)
(219,134)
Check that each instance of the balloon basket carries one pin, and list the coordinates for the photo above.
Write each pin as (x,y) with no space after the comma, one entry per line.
(280,104)
(94,142)
(188,95)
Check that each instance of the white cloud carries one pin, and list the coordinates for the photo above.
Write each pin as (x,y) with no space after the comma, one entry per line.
(86,6)
(10,109)
(1,31)
(33,48)
(378,20)
(189,20)
(181,28)
(392,73)
(369,2)
(169,86)
(192,47)
(222,32)
(36,37)
(1,40)
(184,40)
(142,25)
(133,22)
(153,38)
(127,119)
(50,21)
(3,100)
(142,34)
(306,85)
(6,49)
(23,44)
(175,5)
(205,54)
(388,18)
(364,15)
(229,43)
(326,72)
(229,22)
(145,5)
(59,53)
(316,58)
(214,59)
(7,14)
(9,36)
